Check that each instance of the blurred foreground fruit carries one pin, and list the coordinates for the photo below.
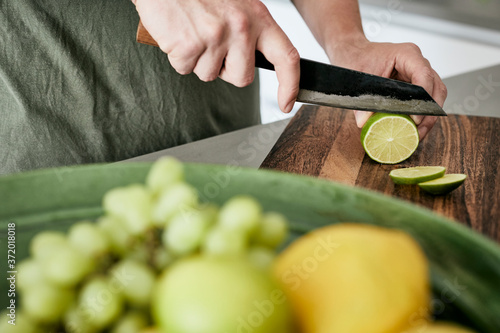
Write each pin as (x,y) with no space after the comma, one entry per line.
(216,295)
(101,275)
(355,278)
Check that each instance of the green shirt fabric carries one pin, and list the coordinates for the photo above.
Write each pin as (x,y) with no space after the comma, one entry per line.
(75,87)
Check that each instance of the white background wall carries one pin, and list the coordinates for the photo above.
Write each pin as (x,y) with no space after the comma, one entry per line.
(451,48)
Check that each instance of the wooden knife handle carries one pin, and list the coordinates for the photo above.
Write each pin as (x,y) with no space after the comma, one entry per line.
(144,37)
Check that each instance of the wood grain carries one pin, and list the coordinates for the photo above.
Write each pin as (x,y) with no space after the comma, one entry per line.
(323,142)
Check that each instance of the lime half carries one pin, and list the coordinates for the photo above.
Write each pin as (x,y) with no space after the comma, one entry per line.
(389,138)
(416,175)
(443,185)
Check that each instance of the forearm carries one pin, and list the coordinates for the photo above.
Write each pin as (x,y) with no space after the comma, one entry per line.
(332,22)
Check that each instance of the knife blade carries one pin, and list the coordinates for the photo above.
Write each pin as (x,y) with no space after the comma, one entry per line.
(340,87)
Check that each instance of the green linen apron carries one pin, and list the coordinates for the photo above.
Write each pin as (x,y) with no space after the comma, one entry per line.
(75,87)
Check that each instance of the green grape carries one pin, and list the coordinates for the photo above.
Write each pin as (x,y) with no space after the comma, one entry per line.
(162,258)
(29,273)
(131,322)
(132,204)
(261,256)
(224,243)
(45,243)
(67,267)
(100,301)
(46,303)
(88,238)
(164,172)
(187,230)
(119,237)
(74,322)
(137,288)
(272,230)
(23,324)
(178,197)
(241,213)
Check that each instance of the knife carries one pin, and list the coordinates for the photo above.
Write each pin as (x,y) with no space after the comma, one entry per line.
(340,87)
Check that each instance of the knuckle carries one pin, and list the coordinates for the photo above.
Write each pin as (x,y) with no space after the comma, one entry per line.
(180,67)
(292,57)
(427,73)
(239,81)
(411,47)
(189,48)
(205,76)
(165,47)
(240,22)
(443,90)
(244,81)
(260,9)
(182,48)
(214,33)
(180,64)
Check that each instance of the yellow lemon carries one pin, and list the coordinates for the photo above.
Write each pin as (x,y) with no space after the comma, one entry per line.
(355,278)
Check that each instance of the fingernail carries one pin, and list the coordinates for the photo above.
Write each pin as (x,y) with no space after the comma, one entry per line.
(417,119)
(289,107)
(357,117)
(361,117)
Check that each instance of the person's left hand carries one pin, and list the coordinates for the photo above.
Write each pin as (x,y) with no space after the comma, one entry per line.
(403,62)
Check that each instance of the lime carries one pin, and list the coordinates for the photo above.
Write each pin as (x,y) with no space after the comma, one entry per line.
(407,176)
(443,185)
(389,138)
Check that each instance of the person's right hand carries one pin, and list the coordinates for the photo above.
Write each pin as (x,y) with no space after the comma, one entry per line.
(219,38)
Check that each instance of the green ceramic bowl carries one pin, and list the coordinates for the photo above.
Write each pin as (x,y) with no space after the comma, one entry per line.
(465,266)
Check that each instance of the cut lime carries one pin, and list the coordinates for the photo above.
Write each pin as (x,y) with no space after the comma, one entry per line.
(416,175)
(389,138)
(443,185)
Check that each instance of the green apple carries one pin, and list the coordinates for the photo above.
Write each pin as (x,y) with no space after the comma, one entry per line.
(219,295)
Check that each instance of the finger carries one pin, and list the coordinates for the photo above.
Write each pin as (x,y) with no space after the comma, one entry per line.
(184,56)
(239,65)
(440,91)
(439,94)
(425,126)
(412,67)
(361,117)
(209,65)
(278,49)
(424,77)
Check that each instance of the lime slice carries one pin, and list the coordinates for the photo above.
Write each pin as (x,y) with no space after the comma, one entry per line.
(389,138)
(416,175)
(444,184)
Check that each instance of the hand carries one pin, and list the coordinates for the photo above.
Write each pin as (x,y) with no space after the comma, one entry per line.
(219,39)
(403,62)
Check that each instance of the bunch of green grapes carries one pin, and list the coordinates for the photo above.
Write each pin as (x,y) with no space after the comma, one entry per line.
(101,275)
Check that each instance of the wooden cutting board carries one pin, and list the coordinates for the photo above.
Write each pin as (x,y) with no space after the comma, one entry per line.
(324,142)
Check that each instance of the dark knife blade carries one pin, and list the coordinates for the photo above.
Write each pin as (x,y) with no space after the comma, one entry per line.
(345,88)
